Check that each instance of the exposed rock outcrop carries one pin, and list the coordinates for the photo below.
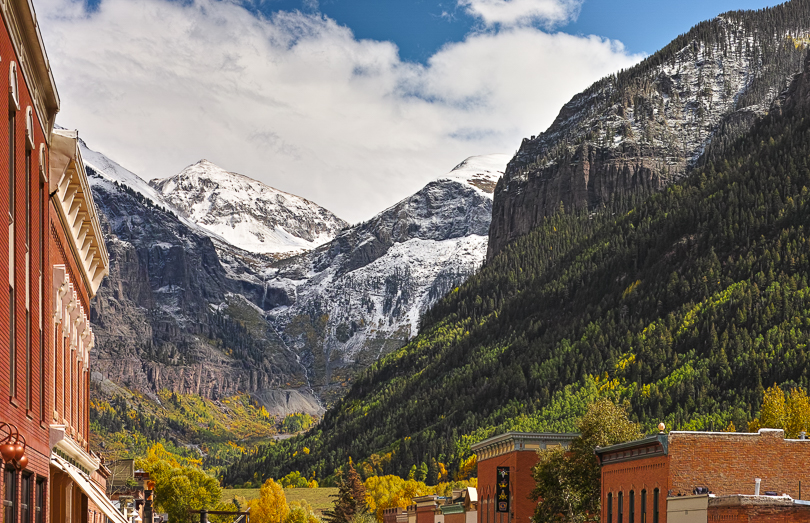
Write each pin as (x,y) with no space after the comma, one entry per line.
(642,129)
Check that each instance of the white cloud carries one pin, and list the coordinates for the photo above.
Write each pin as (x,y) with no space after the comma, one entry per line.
(523,12)
(296,101)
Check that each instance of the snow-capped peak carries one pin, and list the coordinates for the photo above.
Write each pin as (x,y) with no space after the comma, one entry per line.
(247,213)
(481,172)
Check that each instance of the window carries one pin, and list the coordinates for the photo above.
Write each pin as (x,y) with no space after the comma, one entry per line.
(644,506)
(10,494)
(610,508)
(39,511)
(25,509)
(620,510)
(12,342)
(28,279)
(42,209)
(655,505)
(631,515)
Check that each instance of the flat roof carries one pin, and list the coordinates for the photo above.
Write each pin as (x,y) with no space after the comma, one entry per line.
(542,436)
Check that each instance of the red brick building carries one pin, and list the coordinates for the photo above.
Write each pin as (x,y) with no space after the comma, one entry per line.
(645,481)
(516,451)
(55,262)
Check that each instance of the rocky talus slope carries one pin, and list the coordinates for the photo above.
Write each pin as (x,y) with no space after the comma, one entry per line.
(247,213)
(641,129)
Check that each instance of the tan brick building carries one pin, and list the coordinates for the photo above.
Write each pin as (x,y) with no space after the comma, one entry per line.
(645,481)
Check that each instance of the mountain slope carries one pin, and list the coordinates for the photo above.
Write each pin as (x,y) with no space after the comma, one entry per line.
(685,303)
(169,316)
(247,213)
(644,128)
(361,295)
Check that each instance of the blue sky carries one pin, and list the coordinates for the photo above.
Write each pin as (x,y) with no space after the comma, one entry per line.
(421,27)
(353,104)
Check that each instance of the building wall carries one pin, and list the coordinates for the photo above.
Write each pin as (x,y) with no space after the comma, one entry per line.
(28,406)
(425,514)
(636,475)
(728,463)
(751,513)
(70,376)
(521,506)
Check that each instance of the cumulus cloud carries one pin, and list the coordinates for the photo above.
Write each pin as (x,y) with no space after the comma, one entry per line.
(523,12)
(296,101)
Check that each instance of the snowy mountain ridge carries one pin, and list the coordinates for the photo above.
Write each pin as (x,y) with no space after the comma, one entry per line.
(360,296)
(249,214)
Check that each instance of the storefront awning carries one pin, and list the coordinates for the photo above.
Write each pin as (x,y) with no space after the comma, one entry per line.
(90,489)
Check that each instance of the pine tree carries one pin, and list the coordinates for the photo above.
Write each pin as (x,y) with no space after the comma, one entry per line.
(350,499)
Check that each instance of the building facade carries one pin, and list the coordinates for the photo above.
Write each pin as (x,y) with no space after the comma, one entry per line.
(647,480)
(516,452)
(55,262)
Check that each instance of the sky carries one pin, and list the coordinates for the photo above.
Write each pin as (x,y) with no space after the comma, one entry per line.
(353,104)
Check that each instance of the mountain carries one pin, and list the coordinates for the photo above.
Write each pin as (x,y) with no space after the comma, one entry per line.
(187,311)
(684,302)
(360,296)
(169,315)
(646,127)
(247,213)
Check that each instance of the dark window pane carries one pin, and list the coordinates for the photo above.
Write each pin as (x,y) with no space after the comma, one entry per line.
(25,500)
(10,495)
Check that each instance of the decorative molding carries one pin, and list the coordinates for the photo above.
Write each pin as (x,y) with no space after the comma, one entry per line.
(77,211)
(69,312)
(13,86)
(21,24)
(520,442)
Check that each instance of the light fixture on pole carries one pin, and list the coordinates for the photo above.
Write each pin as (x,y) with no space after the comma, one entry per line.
(11,449)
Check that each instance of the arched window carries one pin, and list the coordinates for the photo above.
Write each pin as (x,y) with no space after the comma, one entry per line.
(655,505)
(610,507)
(644,506)
(620,508)
(14,106)
(631,513)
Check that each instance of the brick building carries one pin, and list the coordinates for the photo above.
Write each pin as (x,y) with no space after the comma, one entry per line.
(516,451)
(645,481)
(56,261)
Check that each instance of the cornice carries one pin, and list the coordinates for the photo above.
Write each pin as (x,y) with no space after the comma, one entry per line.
(20,21)
(74,203)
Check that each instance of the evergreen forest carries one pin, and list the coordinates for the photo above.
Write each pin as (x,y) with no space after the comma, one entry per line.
(687,304)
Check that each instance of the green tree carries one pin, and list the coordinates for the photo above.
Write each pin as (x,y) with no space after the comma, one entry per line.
(350,499)
(568,484)
(294,480)
(301,512)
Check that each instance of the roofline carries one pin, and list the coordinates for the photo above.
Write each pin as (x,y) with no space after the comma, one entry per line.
(21,24)
(661,438)
(524,435)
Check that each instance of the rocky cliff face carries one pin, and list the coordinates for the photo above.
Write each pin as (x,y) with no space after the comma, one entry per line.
(638,131)
(169,316)
(360,296)
(187,311)
(246,213)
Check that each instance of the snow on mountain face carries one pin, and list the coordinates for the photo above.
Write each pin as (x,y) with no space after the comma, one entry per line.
(248,214)
(361,295)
